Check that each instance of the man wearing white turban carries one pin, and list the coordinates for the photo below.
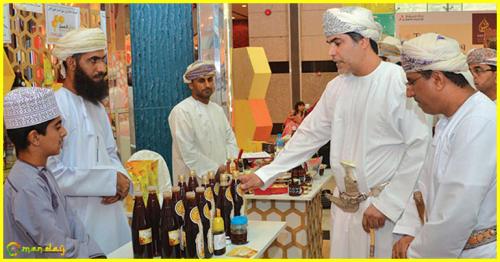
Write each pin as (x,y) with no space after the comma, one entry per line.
(202,138)
(454,214)
(483,66)
(390,49)
(88,169)
(365,114)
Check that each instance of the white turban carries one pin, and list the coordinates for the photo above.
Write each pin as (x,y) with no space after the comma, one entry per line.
(29,106)
(390,47)
(79,41)
(351,19)
(431,51)
(198,69)
(486,56)
(435,52)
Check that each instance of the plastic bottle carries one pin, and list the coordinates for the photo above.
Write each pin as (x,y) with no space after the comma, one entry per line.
(219,234)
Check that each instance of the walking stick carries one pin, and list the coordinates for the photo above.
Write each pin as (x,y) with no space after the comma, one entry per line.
(372,243)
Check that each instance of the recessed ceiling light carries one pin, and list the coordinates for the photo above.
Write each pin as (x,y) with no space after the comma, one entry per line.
(243,5)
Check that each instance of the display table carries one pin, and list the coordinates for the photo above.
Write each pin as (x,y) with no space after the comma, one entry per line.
(260,236)
(303,236)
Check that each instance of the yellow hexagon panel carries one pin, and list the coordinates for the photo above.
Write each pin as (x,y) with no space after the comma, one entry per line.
(8,74)
(252,123)
(251,73)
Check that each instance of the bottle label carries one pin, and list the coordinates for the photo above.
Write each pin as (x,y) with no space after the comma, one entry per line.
(195,215)
(206,212)
(209,196)
(173,238)
(183,240)
(210,241)
(179,208)
(228,195)
(200,246)
(219,241)
(145,236)
(216,188)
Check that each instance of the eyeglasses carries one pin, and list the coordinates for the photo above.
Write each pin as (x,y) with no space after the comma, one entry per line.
(479,70)
(412,82)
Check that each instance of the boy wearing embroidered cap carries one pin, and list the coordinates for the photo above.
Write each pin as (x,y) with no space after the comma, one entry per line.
(455,215)
(36,214)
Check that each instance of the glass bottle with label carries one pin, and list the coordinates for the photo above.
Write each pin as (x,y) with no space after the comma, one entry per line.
(219,234)
(194,229)
(193,181)
(179,216)
(225,202)
(142,239)
(153,210)
(209,197)
(237,194)
(169,229)
(205,221)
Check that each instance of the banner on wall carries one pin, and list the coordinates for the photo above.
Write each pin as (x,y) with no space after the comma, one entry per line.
(388,23)
(60,19)
(35,8)
(481,23)
(6,24)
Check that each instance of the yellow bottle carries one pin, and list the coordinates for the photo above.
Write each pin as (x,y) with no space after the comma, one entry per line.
(219,235)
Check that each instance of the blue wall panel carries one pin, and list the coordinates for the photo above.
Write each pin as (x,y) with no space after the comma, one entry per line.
(162,48)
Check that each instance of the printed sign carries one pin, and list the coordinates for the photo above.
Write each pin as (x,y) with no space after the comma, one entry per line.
(481,23)
(60,19)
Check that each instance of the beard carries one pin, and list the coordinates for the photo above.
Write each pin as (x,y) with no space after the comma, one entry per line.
(88,88)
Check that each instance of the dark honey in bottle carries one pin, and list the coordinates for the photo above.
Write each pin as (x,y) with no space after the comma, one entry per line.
(179,216)
(237,194)
(225,203)
(193,228)
(142,239)
(169,229)
(205,216)
(153,209)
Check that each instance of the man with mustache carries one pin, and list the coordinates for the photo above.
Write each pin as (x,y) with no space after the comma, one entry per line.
(370,122)
(202,138)
(88,169)
(456,213)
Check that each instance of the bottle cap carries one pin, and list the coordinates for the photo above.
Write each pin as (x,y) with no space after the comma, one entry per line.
(167,194)
(152,188)
(190,194)
(138,192)
(192,173)
(181,178)
(239,220)
(200,189)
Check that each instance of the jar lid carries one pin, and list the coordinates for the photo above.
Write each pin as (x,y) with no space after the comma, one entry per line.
(239,220)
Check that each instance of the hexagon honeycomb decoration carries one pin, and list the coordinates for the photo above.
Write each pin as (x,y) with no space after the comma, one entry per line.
(251,75)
